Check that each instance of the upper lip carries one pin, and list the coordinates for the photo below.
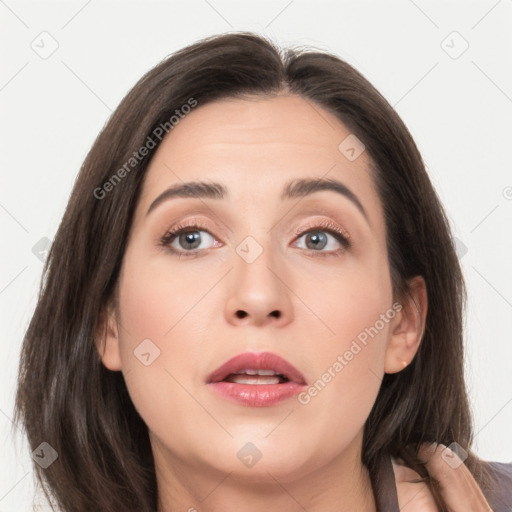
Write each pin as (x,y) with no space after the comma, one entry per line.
(257,361)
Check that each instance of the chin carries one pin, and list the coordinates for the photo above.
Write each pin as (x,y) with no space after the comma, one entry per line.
(262,458)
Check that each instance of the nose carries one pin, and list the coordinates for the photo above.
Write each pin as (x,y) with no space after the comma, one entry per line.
(257,293)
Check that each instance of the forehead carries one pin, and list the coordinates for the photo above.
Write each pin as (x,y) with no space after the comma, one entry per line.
(283,120)
(256,145)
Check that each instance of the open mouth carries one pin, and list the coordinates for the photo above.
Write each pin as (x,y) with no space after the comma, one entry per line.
(256,380)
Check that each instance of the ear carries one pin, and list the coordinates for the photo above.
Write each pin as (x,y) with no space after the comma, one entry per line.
(407,327)
(107,339)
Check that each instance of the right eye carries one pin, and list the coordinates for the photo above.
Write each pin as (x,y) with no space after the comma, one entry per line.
(188,239)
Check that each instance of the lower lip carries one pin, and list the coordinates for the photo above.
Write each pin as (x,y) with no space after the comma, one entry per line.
(256,395)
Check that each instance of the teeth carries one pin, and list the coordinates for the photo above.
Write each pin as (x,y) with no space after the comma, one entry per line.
(252,376)
(256,372)
(248,379)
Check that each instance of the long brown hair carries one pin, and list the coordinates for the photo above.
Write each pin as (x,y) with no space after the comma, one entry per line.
(67,398)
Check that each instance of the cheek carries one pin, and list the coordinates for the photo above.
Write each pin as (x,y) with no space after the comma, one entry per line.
(348,302)
(155,296)
(355,311)
(159,337)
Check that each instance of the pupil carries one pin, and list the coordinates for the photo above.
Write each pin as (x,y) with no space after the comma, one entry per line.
(318,239)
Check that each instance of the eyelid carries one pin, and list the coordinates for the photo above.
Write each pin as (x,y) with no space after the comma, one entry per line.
(325,225)
(190,224)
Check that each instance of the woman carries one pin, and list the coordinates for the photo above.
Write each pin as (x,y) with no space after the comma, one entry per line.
(253,300)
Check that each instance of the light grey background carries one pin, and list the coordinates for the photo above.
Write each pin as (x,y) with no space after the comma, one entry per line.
(457,105)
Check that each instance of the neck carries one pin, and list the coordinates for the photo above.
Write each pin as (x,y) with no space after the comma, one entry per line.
(341,485)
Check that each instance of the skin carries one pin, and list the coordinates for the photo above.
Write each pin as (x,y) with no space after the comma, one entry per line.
(311,454)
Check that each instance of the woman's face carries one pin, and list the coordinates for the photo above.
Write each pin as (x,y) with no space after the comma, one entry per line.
(266,270)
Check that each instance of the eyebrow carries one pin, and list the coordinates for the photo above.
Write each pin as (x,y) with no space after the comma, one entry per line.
(296,188)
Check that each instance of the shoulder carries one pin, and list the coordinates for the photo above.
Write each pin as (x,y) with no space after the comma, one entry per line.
(500,495)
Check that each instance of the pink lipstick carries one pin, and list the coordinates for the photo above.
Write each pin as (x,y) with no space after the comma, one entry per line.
(257,379)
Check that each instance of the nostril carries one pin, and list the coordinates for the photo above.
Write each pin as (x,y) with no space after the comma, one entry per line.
(242,314)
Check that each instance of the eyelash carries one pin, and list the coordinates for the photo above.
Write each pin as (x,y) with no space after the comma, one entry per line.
(326,227)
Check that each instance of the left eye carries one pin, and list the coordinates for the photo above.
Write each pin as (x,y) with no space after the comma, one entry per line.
(321,239)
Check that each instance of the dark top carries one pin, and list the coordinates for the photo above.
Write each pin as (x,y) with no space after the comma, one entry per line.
(500,499)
